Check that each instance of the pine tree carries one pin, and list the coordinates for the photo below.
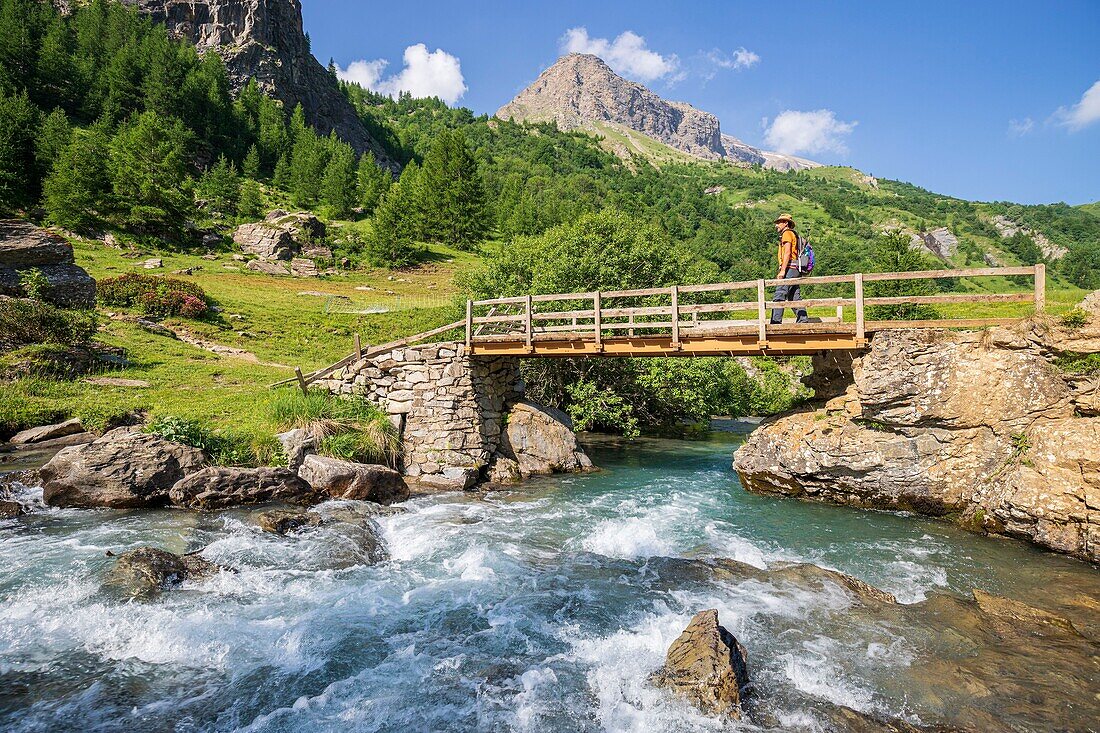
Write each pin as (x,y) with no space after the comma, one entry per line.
(308,160)
(54,136)
(18,121)
(221,187)
(56,72)
(250,206)
(338,188)
(148,167)
(75,193)
(453,193)
(374,181)
(281,177)
(251,165)
(393,231)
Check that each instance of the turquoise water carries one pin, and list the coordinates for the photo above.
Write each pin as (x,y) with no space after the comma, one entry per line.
(541,609)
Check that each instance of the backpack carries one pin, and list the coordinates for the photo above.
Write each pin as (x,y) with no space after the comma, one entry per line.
(804,261)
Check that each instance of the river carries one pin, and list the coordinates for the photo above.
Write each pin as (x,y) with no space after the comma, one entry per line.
(540,609)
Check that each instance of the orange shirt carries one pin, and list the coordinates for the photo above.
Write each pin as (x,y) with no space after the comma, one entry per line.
(788,249)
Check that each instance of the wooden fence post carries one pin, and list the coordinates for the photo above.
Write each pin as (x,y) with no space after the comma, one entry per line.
(597,307)
(301,380)
(861,335)
(675,318)
(469,323)
(528,328)
(762,336)
(1040,287)
(358,348)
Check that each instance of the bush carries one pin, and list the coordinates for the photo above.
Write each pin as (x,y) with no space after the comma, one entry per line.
(224,448)
(34,283)
(26,322)
(350,428)
(1075,318)
(154,295)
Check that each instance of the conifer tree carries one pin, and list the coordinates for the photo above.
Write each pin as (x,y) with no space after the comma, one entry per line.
(394,227)
(53,136)
(251,165)
(251,203)
(75,193)
(374,181)
(148,167)
(221,187)
(281,176)
(18,121)
(453,193)
(338,188)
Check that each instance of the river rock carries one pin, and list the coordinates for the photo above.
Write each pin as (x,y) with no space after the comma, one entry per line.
(707,665)
(345,480)
(297,444)
(976,426)
(48,432)
(218,487)
(124,469)
(9,509)
(541,441)
(286,521)
(24,247)
(147,570)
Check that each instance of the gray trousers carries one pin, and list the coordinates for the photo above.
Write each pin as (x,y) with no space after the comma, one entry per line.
(789,293)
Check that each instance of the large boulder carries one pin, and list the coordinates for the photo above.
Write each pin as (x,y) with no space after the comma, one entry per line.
(976,426)
(124,469)
(24,247)
(297,444)
(539,440)
(265,241)
(706,665)
(43,433)
(302,225)
(146,571)
(218,487)
(359,481)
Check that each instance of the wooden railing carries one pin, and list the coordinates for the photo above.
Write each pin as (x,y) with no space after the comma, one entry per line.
(667,311)
(678,313)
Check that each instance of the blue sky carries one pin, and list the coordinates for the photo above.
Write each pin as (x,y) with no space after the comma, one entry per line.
(983,100)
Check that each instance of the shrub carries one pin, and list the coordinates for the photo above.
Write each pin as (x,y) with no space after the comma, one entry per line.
(349,428)
(1075,318)
(154,295)
(34,283)
(26,322)
(225,448)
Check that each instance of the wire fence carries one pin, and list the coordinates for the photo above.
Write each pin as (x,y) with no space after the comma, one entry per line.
(383,303)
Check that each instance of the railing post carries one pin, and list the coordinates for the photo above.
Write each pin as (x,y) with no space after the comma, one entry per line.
(675,317)
(527,327)
(597,307)
(469,324)
(630,320)
(840,314)
(301,380)
(1040,287)
(861,335)
(358,348)
(762,335)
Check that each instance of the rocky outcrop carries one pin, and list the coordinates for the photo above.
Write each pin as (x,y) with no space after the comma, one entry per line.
(279,239)
(146,571)
(25,247)
(264,40)
(43,433)
(939,242)
(580,91)
(218,487)
(124,469)
(265,241)
(1008,228)
(707,665)
(357,481)
(537,440)
(980,427)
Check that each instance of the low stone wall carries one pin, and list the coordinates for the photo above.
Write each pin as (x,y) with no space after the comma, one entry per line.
(448,406)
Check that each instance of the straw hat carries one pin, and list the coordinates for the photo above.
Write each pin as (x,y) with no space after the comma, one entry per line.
(787,218)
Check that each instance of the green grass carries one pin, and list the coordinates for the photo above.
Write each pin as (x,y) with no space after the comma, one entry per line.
(348,428)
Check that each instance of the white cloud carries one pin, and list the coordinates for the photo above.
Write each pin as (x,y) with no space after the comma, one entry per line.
(425,74)
(627,54)
(819,131)
(742,59)
(1082,114)
(1019,128)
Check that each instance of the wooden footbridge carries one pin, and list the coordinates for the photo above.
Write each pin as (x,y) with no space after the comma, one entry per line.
(731,318)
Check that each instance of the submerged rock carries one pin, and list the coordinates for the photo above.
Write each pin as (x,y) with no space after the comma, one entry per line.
(218,487)
(148,570)
(707,665)
(124,469)
(9,509)
(360,481)
(284,521)
(976,426)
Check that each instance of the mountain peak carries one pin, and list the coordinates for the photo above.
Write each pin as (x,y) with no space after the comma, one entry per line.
(580,91)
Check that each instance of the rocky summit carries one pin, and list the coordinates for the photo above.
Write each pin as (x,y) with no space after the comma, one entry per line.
(264,40)
(580,91)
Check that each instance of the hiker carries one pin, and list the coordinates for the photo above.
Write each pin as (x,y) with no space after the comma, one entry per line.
(788,269)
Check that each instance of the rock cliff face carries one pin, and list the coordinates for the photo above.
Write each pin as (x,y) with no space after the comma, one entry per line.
(980,427)
(264,39)
(580,89)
